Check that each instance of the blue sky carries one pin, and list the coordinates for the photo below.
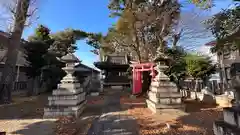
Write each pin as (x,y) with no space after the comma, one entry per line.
(90,16)
(87,15)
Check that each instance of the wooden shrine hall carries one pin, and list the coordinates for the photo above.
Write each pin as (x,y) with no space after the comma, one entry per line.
(114,67)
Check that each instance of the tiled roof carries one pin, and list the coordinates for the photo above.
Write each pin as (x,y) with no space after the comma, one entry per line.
(87,67)
(21,61)
(3,37)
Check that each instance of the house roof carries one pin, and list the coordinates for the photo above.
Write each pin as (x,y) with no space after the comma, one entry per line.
(234,35)
(211,43)
(21,61)
(83,67)
(4,39)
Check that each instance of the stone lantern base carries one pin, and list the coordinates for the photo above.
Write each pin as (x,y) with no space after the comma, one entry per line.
(65,105)
(230,125)
(67,100)
(163,95)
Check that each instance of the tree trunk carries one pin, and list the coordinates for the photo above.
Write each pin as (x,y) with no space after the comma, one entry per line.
(8,77)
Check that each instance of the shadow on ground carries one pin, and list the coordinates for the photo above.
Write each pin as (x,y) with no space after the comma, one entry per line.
(24,107)
(37,128)
(196,106)
(201,117)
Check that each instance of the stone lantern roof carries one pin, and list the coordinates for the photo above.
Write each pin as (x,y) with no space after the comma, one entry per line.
(70,57)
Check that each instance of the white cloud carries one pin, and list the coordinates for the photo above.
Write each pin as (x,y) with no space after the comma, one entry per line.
(205,50)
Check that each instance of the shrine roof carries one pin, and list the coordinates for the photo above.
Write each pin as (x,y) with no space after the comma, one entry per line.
(147,64)
(111,66)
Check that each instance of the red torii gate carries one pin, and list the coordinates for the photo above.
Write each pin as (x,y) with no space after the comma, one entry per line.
(137,70)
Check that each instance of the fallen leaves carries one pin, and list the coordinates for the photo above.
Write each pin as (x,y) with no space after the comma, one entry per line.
(97,100)
(66,126)
(196,123)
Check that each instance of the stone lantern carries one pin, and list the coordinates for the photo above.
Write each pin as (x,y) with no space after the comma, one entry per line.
(69,98)
(163,94)
(230,124)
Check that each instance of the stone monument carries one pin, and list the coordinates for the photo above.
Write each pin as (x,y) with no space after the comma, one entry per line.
(69,98)
(230,125)
(163,94)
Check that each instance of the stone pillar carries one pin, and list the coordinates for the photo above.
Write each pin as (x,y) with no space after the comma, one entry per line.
(163,94)
(69,98)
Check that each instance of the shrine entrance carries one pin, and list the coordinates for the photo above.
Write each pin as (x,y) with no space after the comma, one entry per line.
(137,76)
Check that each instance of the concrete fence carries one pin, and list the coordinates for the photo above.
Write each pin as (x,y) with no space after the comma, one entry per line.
(19,86)
(214,86)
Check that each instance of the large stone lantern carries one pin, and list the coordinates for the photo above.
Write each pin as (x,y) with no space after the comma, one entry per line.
(163,94)
(69,98)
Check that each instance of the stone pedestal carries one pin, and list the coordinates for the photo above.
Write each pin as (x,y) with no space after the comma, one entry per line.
(230,125)
(163,94)
(69,98)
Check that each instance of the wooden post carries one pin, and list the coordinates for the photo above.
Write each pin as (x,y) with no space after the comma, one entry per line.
(133,79)
(18,72)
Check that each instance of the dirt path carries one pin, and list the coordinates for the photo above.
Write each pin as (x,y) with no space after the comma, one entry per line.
(112,121)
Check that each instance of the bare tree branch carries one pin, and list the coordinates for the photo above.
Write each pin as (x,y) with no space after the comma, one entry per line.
(8,13)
